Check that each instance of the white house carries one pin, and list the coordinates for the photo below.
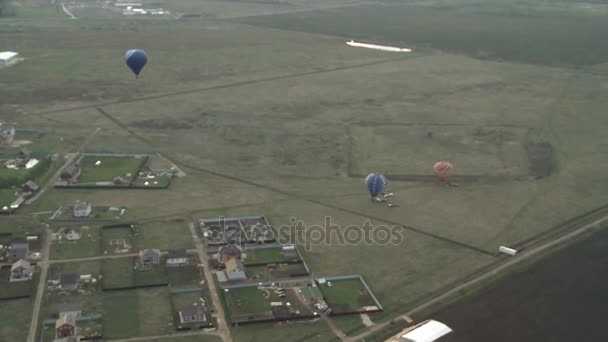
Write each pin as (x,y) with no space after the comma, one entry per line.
(82,209)
(8,57)
(72,235)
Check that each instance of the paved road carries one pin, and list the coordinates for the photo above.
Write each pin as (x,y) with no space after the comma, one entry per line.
(514,261)
(223,329)
(44,268)
(67,11)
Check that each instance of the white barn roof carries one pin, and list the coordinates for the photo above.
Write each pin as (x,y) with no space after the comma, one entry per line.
(427,332)
(6,55)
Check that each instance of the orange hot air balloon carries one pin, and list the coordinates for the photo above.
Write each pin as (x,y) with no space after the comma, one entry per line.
(443,170)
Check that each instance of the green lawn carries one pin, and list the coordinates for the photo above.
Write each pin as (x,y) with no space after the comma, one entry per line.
(350,324)
(304,331)
(246,300)
(157,275)
(121,314)
(13,289)
(118,272)
(185,276)
(15,317)
(346,295)
(156,182)
(164,235)
(89,245)
(261,273)
(263,256)
(137,313)
(117,235)
(110,168)
(7,196)
(80,267)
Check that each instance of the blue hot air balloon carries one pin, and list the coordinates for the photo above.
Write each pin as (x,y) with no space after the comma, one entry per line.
(136,59)
(376,184)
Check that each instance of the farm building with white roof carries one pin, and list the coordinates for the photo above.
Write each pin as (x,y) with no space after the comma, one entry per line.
(7,57)
(428,331)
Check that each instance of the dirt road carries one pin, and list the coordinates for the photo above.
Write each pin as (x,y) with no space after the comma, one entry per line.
(65,9)
(516,260)
(44,268)
(162,337)
(223,329)
(69,160)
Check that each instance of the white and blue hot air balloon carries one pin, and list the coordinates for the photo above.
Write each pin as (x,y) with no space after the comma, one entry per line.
(136,59)
(376,184)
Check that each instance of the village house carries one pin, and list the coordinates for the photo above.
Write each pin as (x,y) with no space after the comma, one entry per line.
(192,314)
(19,249)
(21,270)
(235,269)
(65,326)
(24,154)
(82,209)
(149,257)
(72,235)
(71,174)
(228,252)
(29,188)
(69,281)
(74,310)
(177,257)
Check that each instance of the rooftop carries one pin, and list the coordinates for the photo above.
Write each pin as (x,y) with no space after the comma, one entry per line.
(69,278)
(8,54)
(427,332)
(177,253)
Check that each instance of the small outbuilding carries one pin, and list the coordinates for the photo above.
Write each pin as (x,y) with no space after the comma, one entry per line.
(428,331)
(69,281)
(149,257)
(177,257)
(8,57)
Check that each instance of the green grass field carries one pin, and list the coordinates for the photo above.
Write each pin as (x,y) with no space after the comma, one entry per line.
(110,168)
(164,235)
(263,256)
(16,315)
(89,245)
(346,295)
(278,133)
(14,289)
(127,313)
(246,301)
(262,273)
(118,241)
(118,273)
(184,276)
